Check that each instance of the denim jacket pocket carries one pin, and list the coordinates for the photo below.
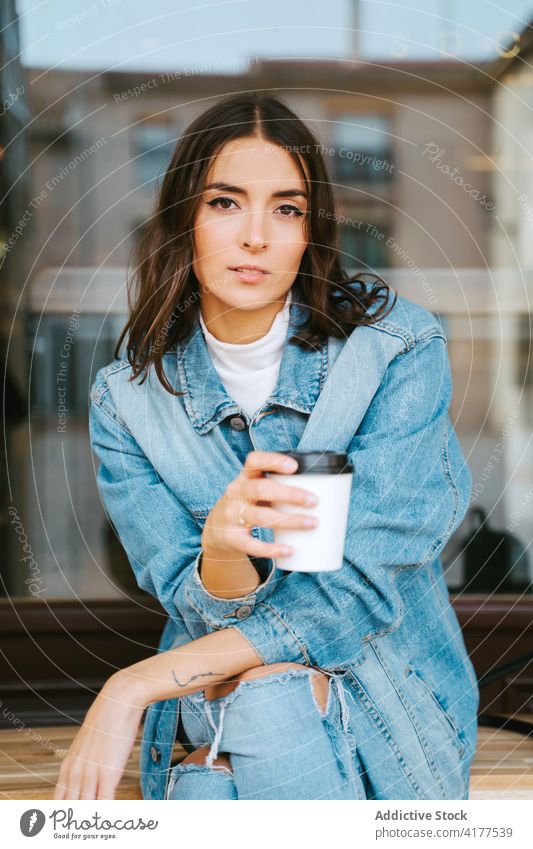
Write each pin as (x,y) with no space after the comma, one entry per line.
(435,701)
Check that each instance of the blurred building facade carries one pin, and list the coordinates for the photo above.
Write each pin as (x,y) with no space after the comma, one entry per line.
(425,171)
(377,127)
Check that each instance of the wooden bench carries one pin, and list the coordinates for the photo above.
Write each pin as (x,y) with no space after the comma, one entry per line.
(30,760)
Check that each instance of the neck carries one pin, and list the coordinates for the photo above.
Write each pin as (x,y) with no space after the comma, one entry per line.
(236,326)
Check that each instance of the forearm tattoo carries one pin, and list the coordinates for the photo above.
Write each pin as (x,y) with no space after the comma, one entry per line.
(192,678)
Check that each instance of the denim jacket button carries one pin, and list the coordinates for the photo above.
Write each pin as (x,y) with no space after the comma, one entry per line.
(243,611)
(237,423)
(155,754)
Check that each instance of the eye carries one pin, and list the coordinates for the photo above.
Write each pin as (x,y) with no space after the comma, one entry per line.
(293,211)
(297,212)
(214,203)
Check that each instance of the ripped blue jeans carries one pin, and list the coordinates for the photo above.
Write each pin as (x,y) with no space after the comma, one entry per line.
(280,744)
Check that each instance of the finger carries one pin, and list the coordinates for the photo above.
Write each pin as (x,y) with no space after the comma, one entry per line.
(242,540)
(59,790)
(267,517)
(88,786)
(61,785)
(71,785)
(265,489)
(106,789)
(64,784)
(258,462)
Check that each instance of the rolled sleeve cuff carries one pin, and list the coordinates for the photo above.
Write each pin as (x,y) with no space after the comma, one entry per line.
(204,612)
(271,637)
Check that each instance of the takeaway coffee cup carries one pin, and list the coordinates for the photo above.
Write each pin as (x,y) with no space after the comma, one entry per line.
(327,474)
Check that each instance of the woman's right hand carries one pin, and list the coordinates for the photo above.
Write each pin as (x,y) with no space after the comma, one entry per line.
(224,538)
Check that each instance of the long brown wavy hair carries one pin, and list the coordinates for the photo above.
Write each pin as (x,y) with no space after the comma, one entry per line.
(163,291)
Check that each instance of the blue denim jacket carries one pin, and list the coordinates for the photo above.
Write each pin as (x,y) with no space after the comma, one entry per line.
(165,461)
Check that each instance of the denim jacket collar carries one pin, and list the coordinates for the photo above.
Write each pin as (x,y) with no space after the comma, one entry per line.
(300,379)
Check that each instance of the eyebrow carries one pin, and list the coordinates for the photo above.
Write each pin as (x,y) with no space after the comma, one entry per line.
(284,193)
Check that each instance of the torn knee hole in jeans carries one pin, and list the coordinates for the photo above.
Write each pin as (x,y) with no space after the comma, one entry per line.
(335,733)
(248,683)
(282,677)
(313,681)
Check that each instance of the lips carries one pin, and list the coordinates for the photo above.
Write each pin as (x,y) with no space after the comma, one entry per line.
(249,273)
(254,268)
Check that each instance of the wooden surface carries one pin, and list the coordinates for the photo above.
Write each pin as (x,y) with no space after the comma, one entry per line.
(30,760)
(503,765)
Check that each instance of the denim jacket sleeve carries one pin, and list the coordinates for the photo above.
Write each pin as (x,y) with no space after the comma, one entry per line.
(410,492)
(158,532)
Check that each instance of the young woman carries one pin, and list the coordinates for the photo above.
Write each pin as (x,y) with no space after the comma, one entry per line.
(345,685)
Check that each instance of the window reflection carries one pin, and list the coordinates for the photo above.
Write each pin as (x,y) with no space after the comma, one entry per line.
(80,554)
(64,545)
(152,144)
(395,146)
(492,409)
(359,245)
(363,148)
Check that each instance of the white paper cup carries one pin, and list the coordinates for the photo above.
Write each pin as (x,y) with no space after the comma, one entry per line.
(327,474)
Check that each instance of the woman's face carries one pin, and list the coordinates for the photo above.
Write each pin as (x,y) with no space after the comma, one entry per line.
(251,213)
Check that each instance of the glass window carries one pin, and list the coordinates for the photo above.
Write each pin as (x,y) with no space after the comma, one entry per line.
(52,470)
(363,244)
(153,145)
(492,410)
(362,148)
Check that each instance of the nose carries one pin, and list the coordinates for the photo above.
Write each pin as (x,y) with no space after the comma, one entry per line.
(254,230)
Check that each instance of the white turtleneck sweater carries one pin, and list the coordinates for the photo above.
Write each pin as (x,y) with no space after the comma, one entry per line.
(249,372)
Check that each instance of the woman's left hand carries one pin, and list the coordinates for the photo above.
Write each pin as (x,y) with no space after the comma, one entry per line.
(93,766)
(95,762)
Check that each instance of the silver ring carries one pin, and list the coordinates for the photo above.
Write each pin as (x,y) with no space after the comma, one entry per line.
(242,520)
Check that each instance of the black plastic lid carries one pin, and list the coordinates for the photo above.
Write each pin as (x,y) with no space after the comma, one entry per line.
(321,462)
